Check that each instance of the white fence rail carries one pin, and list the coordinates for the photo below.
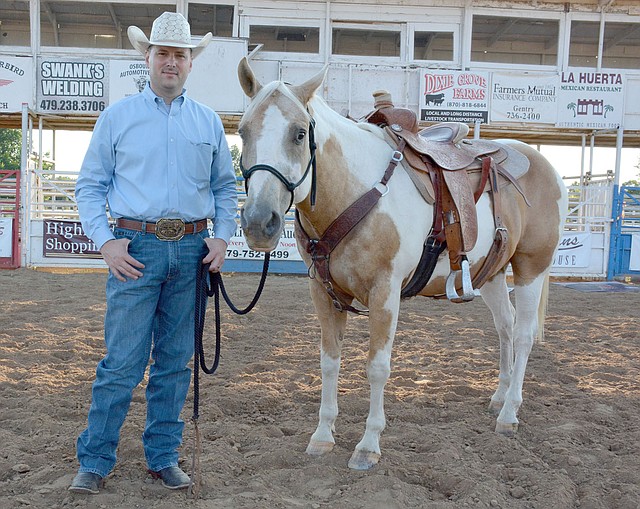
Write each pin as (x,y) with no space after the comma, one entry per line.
(51,196)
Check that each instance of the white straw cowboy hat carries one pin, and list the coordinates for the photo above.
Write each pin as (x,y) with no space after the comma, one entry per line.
(169,29)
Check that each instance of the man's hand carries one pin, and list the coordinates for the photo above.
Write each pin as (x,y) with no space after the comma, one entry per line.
(217,252)
(121,264)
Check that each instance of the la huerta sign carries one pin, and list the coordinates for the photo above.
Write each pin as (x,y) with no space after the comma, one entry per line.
(589,99)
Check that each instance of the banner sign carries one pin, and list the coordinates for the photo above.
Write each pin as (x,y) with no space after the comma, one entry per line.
(285,250)
(457,96)
(589,99)
(72,86)
(67,239)
(634,257)
(524,98)
(574,250)
(16,83)
(126,77)
(6,237)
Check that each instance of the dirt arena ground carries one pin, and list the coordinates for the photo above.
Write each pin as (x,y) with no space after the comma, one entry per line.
(578,444)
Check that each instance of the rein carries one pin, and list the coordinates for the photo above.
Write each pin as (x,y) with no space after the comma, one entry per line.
(211,287)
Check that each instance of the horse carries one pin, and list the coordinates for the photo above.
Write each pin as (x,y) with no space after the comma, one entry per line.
(323,176)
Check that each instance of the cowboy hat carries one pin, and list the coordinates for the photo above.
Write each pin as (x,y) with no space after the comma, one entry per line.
(169,29)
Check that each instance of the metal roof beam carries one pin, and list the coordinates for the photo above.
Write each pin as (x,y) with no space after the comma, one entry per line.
(503,29)
(54,22)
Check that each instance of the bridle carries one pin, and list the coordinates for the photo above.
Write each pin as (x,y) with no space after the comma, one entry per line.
(291,186)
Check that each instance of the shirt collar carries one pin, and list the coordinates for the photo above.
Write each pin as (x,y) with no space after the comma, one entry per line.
(151,95)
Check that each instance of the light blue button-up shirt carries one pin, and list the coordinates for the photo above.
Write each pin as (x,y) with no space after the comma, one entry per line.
(149,160)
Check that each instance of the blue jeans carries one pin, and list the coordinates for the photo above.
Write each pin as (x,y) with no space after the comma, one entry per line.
(152,316)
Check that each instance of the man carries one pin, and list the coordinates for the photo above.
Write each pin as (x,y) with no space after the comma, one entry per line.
(161,163)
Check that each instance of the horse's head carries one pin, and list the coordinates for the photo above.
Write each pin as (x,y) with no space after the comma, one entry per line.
(278,151)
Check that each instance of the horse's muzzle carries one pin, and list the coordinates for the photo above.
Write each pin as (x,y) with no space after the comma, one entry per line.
(262,229)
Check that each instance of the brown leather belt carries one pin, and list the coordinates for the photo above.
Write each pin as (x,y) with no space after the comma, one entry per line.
(164,229)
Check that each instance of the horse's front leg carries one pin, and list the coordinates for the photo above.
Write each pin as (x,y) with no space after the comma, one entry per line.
(383,320)
(332,325)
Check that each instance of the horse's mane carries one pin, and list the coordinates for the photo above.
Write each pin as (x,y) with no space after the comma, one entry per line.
(318,103)
(317,108)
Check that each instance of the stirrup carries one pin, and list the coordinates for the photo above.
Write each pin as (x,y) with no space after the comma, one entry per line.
(467,287)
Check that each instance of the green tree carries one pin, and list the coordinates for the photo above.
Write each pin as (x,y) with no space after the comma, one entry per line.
(235,157)
(10,149)
(635,182)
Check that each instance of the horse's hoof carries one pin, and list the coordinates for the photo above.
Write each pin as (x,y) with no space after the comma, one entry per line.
(363,460)
(319,448)
(495,407)
(508,429)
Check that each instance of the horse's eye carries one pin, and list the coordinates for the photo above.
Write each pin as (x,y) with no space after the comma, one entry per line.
(300,137)
(240,132)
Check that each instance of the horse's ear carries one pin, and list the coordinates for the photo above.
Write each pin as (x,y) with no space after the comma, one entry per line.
(305,91)
(248,81)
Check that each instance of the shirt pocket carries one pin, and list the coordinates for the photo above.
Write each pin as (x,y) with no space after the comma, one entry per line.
(200,157)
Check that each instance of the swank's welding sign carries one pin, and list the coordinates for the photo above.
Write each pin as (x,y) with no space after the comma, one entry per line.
(72,86)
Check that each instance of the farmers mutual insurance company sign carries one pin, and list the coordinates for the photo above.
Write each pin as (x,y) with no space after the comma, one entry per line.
(530,98)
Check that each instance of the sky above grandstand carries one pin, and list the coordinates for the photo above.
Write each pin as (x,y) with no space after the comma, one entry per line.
(71,146)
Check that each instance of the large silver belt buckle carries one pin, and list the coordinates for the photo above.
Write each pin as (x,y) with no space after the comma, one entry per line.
(170,229)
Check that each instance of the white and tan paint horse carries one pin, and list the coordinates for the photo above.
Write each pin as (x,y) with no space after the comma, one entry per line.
(380,254)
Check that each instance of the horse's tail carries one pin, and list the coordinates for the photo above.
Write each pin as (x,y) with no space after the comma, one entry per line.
(542,308)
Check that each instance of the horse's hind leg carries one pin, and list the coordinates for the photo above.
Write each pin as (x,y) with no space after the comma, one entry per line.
(528,297)
(495,294)
(332,325)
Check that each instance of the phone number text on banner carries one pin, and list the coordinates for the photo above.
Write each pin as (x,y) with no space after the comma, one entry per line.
(238,249)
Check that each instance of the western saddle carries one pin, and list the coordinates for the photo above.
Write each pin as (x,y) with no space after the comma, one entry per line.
(451,172)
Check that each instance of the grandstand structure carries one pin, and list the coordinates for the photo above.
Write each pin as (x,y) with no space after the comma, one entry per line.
(543,71)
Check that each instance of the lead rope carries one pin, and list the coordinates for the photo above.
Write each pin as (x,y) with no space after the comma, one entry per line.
(203,291)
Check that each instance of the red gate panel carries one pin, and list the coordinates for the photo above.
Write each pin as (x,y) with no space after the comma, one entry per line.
(10,214)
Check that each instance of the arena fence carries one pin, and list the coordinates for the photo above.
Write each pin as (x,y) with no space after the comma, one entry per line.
(55,237)
(625,233)
(9,219)
(52,237)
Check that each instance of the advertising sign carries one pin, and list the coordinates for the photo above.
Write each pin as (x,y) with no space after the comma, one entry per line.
(72,86)
(634,257)
(16,84)
(574,250)
(524,98)
(6,231)
(286,249)
(67,238)
(126,77)
(458,96)
(589,99)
